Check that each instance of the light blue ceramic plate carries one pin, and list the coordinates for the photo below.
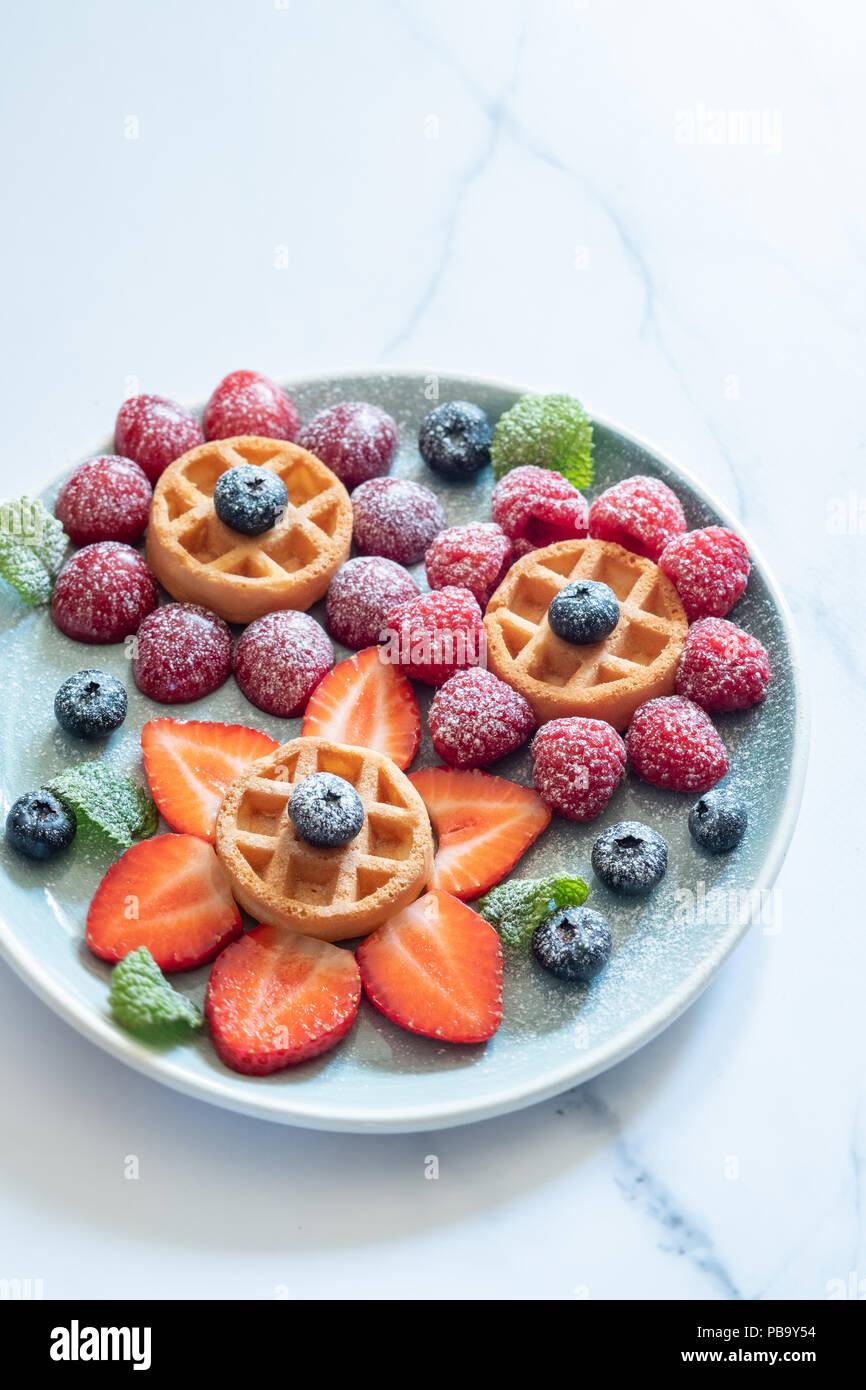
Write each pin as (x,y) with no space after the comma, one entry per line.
(554,1035)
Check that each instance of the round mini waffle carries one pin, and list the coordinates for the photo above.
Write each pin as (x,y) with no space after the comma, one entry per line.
(198,559)
(329,893)
(602,680)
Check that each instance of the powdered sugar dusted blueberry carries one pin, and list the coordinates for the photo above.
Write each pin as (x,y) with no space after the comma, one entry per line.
(182,652)
(280,660)
(106,498)
(709,568)
(455,438)
(474,557)
(360,597)
(718,821)
(630,857)
(249,403)
(103,593)
(90,704)
(154,431)
(249,499)
(396,518)
(722,667)
(326,811)
(476,718)
(577,765)
(40,825)
(537,507)
(672,743)
(582,612)
(574,943)
(640,513)
(355,440)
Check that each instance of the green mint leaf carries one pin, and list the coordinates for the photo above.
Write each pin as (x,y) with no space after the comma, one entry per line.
(32,549)
(143,1001)
(516,908)
(106,803)
(548,431)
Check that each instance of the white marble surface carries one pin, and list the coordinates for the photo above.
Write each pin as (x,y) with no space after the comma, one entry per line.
(533,191)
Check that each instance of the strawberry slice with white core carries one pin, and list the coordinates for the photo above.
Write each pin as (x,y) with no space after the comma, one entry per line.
(190,764)
(483,825)
(436,969)
(170,894)
(275,998)
(368,703)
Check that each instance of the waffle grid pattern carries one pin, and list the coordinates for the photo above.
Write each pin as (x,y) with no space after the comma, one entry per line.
(306,530)
(294,871)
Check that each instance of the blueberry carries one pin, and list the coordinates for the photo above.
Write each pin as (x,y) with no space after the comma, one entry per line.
(585,611)
(455,438)
(630,857)
(249,499)
(90,704)
(718,821)
(39,825)
(573,943)
(326,811)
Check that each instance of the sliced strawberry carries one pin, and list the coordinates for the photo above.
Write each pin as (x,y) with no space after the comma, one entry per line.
(190,764)
(436,969)
(483,824)
(275,998)
(366,702)
(170,894)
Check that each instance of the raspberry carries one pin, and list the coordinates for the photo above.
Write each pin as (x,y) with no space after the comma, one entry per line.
(641,514)
(361,595)
(473,557)
(102,593)
(182,652)
(722,667)
(435,635)
(247,403)
(280,660)
(671,742)
(396,518)
(709,568)
(153,432)
(577,765)
(476,718)
(104,499)
(537,507)
(355,440)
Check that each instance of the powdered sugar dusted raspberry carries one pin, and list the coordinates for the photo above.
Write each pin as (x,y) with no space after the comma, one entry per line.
(102,593)
(476,718)
(642,514)
(357,441)
(671,742)
(577,765)
(537,507)
(154,431)
(435,635)
(361,595)
(280,660)
(709,568)
(396,518)
(106,498)
(182,652)
(473,557)
(248,403)
(722,667)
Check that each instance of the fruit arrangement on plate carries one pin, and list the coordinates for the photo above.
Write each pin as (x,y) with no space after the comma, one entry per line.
(595,632)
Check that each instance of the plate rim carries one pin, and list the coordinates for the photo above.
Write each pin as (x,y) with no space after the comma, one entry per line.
(272,1105)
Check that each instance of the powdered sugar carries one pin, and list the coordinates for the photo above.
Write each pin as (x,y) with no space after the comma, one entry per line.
(102,593)
(106,498)
(357,441)
(640,513)
(473,557)
(672,743)
(182,652)
(360,597)
(722,667)
(279,661)
(476,718)
(396,518)
(577,765)
(710,569)
(248,403)
(537,507)
(154,431)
